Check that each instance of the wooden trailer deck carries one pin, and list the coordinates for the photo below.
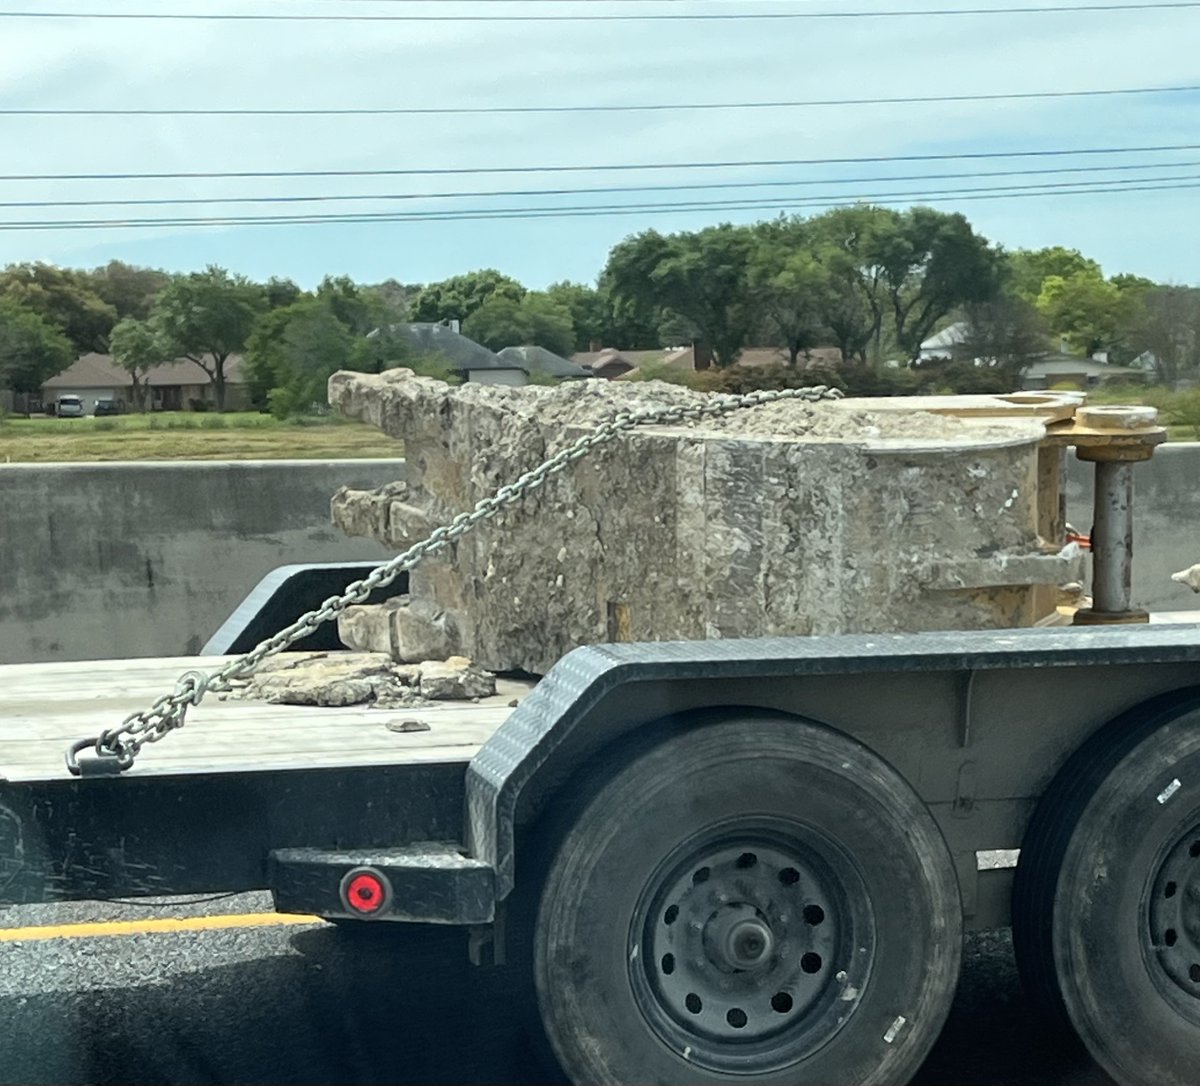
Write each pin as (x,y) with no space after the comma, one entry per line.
(44,708)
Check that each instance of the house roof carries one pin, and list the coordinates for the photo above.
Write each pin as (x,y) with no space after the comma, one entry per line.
(685,357)
(100,371)
(595,359)
(462,353)
(538,359)
(950,336)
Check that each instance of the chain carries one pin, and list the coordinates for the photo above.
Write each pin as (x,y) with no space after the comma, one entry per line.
(118,747)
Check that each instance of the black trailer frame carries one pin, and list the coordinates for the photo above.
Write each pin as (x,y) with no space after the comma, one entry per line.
(978,723)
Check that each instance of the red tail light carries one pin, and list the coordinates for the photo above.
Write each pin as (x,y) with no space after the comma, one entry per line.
(365,891)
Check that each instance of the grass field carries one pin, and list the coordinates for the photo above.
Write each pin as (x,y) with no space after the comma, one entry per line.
(188,436)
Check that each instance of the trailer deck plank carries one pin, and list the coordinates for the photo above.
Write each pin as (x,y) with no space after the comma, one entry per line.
(46,707)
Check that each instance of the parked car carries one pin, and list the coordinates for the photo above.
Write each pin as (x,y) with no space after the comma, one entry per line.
(69,407)
(106,407)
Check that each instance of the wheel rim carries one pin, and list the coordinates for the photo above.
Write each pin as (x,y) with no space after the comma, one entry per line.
(1174,923)
(751,945)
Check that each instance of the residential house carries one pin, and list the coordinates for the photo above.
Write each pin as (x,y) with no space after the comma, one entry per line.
(174,386)
(609,363)
(468,359)
(941,346)
(539,360)
(1055,368)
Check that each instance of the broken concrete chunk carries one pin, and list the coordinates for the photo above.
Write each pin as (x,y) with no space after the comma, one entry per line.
(405,726)
(784,519)
(407,630)
(330,679)
(455,678)
(363,678)
(422,631)
(1189,577)
(367,628)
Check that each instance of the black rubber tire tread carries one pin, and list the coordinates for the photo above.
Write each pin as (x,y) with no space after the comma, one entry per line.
(1037,894)
(918,913)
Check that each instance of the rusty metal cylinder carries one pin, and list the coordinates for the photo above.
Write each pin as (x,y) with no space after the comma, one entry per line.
(1112,537)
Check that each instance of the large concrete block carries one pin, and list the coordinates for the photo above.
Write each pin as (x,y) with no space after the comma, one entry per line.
(789,518)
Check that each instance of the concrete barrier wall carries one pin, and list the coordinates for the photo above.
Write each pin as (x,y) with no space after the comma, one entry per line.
(148,559)
(1166,522)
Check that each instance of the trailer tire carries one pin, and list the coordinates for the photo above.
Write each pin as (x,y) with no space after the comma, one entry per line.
(758,899)
(1106,903)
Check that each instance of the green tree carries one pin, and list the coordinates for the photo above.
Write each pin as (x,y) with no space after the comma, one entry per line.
(789,283)
(590,313)
(848,243)
(931,262)
(1167,324)
(1085,308)
(137,348)
(627,284)
(1030,268)
(281,292)
(208,316)
(64,299)
(459,297)
(393,296)
(31,349)
(1006,332)
(550,324)
(700,278)
(350,303)
(534,320)
(291,354)
(128,289)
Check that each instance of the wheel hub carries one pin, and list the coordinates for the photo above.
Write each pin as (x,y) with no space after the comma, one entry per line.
(748,947)
(739,937)
(1175,915)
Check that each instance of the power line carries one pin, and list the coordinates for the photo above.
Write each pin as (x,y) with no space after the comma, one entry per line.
(449,171)
(654,107)
(607,17)
(592,211)
(587,191)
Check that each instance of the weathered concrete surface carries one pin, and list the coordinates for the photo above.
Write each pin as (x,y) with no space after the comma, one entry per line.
(148,559)
(363,678)
(786,519)
(1166,521)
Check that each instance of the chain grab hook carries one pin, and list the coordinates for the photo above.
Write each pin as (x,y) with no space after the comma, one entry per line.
(114,750)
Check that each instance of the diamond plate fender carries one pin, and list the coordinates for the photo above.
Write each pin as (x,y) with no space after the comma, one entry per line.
(597,694)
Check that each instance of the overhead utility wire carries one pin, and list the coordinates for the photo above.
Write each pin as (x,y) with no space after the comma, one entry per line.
(606,17)
(588,191)
(591,211)
(654,107)
(448,171)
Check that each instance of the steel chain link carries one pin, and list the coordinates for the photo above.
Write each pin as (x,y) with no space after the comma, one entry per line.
(121,745)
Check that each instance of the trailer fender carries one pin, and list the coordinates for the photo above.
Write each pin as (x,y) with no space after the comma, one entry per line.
(597,694)
(285,594)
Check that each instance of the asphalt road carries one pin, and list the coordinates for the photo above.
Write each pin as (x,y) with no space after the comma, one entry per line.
(311,1004)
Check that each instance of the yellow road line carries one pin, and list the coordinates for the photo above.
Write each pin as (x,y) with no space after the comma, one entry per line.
(103,929)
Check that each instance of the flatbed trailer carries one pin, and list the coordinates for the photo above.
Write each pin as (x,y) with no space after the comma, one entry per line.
(722,861)
(717,861)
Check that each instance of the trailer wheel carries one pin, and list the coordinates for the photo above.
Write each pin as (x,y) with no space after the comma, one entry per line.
(755,900)
(1106,904)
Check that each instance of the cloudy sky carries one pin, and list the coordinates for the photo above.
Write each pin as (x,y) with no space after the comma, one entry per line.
(85,63)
